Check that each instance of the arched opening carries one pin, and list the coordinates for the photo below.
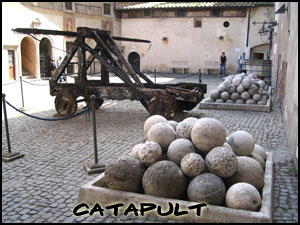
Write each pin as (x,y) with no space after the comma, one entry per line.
(28,53)
(45,57)
(134,60)
(259,52)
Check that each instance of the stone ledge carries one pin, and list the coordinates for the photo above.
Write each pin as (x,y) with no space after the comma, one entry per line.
(95,192)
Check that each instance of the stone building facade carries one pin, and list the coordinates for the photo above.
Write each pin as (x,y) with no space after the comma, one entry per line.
(285,70)
(31,54)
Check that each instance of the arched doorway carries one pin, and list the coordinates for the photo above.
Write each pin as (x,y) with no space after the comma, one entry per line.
(260,51)
(28,55)
(134,60)
(45,56)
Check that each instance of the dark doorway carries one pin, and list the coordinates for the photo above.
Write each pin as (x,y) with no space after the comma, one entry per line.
(45,56)
(11,64)
(134,60)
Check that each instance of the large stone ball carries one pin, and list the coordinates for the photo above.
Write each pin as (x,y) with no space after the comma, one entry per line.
(239,101)
(215,94)
(250,102)
(241,142)
(150,153)
(184,129)
(240,89)
(191,119)
(207,188)
(262,84)
(162,133)
(179,148)
(246,83)
(245,96)
(235,96)
(135,150)
(229,101)
(219,100)
(209,99)
(259,159)
(261,102)
(243,196)
(173,123)
(248,171)
(260,151)
(208,133)
(221,162)
(256,97)
(153,120)
(124,174)
(227,146)
(164,179)
(192,164)
(221,88)
(254,89)
(237,81)
(230,88)
(225,95)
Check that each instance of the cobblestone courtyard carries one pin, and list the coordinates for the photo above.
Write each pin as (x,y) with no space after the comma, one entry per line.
(43,186)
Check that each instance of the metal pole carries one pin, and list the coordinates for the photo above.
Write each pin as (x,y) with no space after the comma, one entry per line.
(93,98)
(22,92)
(155,76)
(6,123)
(200,80)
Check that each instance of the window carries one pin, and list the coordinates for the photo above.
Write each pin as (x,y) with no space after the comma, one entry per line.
(106,8)
(147,13)
(68,5)
(215,12)
(180,13)
(197,23)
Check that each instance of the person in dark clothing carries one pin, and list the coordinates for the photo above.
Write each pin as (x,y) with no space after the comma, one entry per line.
(52,67)
(223,60)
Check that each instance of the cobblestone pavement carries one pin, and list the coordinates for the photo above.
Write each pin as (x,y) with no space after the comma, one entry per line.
(43,186)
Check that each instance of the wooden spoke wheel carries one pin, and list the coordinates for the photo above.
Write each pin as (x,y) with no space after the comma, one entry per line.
(164,105)
(65,104)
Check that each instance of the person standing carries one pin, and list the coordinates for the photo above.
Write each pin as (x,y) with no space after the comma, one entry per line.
(62,77)
(223,60)
(240,61)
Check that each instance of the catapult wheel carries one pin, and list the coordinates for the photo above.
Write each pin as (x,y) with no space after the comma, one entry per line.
(65,104)
(164,105)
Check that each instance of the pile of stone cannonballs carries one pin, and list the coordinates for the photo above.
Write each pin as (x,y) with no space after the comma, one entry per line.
(192,160)
(241,89)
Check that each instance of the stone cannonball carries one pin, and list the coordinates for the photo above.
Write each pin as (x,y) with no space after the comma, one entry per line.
(235,96)
(261,102)
(221,162)
(221,87)
(209,99)
(227,146)
(246,83)
(262,84)
(254,89)
(163,134)
(242,143)
(229,101)
(150,153)
(184,129)
(215,94)
(230,88)
(207,188)
(259,159)
(208,133)
(252,76)
(179,148)
(237,81)
(219,101)
(135,150)
(266,88)
(173,123)
(164,179)
(260,151)
(239,101)
(192,164)
(153,120)
(243,196)
(124,174)
(240,89)
(256,97)
(225,95)
(248,171)
(243,75)
(192,119)
(250,101)
(245,96)
(226,82)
